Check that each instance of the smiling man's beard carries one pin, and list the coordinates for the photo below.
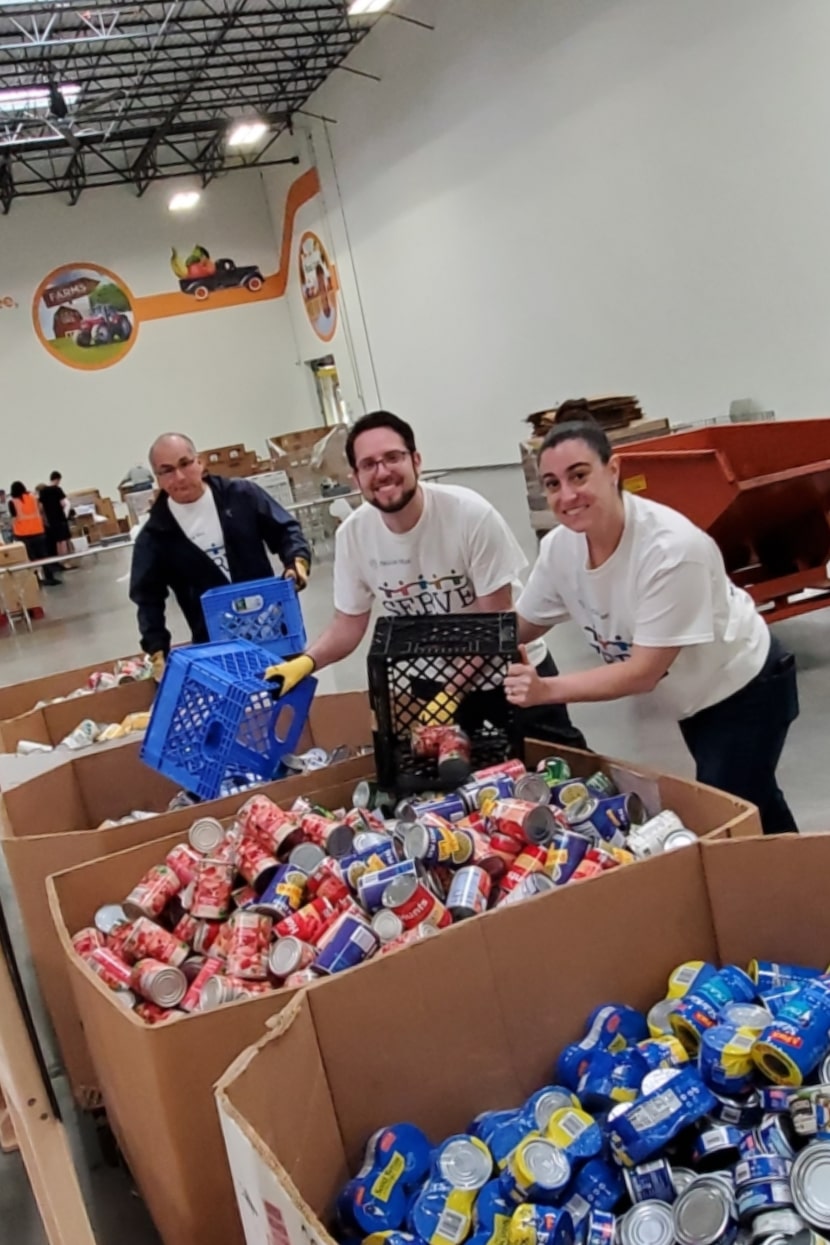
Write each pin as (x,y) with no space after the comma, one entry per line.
(395,506)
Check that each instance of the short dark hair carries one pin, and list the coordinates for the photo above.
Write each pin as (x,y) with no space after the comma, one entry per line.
(18,489)
(587,430)
(379,419)
(56,475)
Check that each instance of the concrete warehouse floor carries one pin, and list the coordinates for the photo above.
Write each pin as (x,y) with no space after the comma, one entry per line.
(91,618)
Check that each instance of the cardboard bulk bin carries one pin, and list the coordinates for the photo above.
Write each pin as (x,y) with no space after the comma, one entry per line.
(474,1020)
(157,1082)
(53,723)
(21,697)
(49,824)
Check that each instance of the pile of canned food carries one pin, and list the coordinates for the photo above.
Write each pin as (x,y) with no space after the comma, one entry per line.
(282,897)
(706,1121)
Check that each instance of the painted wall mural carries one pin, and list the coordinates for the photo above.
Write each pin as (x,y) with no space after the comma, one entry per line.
(318,281)
(84,315)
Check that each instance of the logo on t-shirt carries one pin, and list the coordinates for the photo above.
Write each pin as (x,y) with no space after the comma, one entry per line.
(443,594)
(610,651)
(219,556)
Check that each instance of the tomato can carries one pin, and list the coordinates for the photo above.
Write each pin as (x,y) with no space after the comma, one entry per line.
(335,838)
(513,768)
(151,895)
(212,896)
(256,865)
(183,860)
(308,922)
(87,940)
(409,898)
(151,1013)
(205,835)
(290,955)
(531,859)
(211,966)
(159,983)
(408,938)
(425,739)
(482,852)
(113,971)
(326,881)
(454,755)
(520,820)
(274,828)
(149,941)
(248,949)
(298,981)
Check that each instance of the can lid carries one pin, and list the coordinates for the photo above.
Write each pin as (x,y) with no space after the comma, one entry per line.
(399,890)
(658,1079)
(658,1017)
(108,918)
(532,787)
(548,1102)
(465,1163)
(168,986)
(636,809)
(125,998)
(678,839)
(286,956)
(747,1016)
(540,824)
(306,856)
(339,840)
(363,794)
(416,842)
(216,991)
(682,1177)
(544,1163)
(387,925)
(206,834)
(810,1183)
(702,1212)
(647,1223)
(581,809)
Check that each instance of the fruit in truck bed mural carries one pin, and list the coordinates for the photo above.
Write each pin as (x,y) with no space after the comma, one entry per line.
(199,274)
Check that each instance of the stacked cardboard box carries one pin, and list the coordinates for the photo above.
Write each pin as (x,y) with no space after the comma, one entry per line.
(230,460)
(474,1020)
(21,589)
(157,1081)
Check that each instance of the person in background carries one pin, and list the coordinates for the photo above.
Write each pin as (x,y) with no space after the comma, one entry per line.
(418,548)
(6,533)
(54,506)
(650,591)
(28,525)
(202,532)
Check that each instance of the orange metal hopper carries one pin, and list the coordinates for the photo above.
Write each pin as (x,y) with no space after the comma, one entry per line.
(761,490)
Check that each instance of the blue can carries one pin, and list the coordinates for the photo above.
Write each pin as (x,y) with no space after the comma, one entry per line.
(717,1147)
(537,1171)
(345,944)
(492,1211)
(280,894)
(460,1167)
(579,1211)
(762,1195)
(541,1105)
(768,975)
(774,1000)
(565,854)
(611,1078)
(499,787)
(646,1126)
(776,1099)
(600,1184)
(503,1134)
(594,818)
(353,867)
(611,1027)
(395,1161)
(370,886)
(791,1047)
(762,1167)
(450,807)
(774,1135)
(745,1112)
(650,1182)
(662,1052)
(541,1225)
(576,1133)
(725,1059)
(487,1121)
(602,1228)
(701,1008)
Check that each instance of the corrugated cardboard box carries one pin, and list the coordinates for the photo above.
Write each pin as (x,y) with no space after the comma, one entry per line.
(473,1020)
(48,824)
(157,1082)
(54,722)
(21,697)
(13,553)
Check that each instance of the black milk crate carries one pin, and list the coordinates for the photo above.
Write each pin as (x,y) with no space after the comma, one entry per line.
(410,661)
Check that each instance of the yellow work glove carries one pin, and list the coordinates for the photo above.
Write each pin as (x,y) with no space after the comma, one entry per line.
(157,661)
(287,674)
(299,572)
(441,710)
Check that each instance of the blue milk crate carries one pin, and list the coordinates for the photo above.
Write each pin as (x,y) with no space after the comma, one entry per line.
(262,611)
(215,718)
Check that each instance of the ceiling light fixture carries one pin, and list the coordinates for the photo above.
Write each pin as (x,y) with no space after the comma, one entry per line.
(359,8)
(30,98)
(247,133)
(184,200)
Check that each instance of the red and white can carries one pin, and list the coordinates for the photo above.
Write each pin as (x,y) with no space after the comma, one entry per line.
(298,980)
(210,968)
(593,863)
(425,739)
(248,948)
(410,900)
(183,860)
(274,828)
(513,768)
(482,852)
(505,847)
(113,971)
(521,820)
(87,940)
(454,753)
(256,865)
(327,882)
(205,834)
(309,922)
(407,939)
(244,896)
(151,895)
(531,859)
(149,941)
(151,1013)
(159,983)
(212,895)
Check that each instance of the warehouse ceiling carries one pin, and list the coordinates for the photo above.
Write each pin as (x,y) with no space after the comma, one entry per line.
(101,94)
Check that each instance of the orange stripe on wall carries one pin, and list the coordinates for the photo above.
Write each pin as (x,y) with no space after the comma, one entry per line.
(161,306)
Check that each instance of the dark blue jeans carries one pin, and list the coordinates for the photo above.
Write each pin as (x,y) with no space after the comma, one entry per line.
(737,743)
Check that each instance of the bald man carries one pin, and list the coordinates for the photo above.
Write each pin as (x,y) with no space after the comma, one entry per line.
(204,531)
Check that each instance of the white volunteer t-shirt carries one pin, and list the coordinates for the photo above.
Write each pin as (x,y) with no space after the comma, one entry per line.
(460,549)
(199,520)
(664,586)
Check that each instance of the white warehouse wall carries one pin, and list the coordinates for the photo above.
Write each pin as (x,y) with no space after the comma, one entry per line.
(551,197)
(221,375)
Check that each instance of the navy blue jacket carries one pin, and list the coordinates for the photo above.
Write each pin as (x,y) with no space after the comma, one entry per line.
(165,560)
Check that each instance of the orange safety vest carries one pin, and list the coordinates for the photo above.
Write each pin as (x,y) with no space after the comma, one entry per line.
(27,520)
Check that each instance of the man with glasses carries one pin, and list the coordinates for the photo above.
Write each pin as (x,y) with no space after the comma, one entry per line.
(204,531)
(421,548)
